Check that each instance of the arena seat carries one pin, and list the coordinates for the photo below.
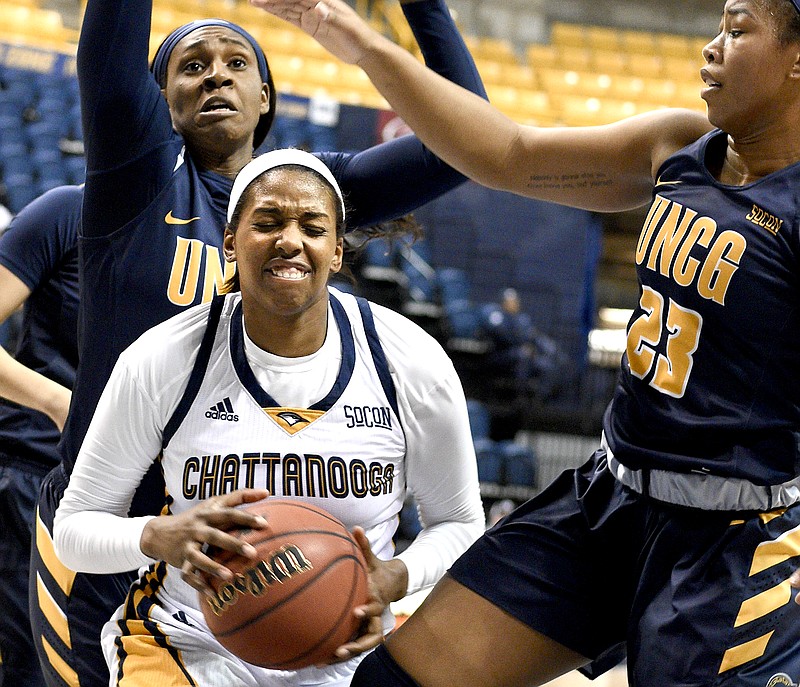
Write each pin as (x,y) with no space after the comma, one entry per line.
(519,463)
(76,169)
(492,49)
(565,34)
(489,460)
(20,190)
(453,285)
(574,57)
(602,38)
(673,45)
(480,419)
(540,55)
(462,320)
(638,42)
(611,62)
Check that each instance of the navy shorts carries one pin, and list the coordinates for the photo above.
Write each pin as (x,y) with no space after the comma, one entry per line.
(68,609)
(19,489)
(697,597)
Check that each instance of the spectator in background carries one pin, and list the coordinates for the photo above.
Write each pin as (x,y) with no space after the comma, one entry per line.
(498,510)
(519,350)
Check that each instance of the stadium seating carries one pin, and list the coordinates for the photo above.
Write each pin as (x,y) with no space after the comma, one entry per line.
(520,80)
(453,285)
(38,111)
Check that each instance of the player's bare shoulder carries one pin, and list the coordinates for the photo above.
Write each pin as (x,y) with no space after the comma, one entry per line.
(672,129)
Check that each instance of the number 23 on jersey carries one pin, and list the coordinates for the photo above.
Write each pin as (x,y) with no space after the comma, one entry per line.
(677,334)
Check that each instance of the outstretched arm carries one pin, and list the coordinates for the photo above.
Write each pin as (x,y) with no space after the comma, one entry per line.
(125,118)
(600,168)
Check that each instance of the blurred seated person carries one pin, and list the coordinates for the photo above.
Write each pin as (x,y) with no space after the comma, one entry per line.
(519,350)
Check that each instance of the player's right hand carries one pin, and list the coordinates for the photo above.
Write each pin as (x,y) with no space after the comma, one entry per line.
(183,540)
(332,23)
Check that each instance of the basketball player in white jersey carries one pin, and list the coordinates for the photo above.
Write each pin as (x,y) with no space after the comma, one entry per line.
(284,386)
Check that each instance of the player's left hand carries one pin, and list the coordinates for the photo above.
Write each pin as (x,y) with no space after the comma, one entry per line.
(388,581)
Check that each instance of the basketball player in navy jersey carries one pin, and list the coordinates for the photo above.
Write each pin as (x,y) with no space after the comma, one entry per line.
(680,537)
(162,149)
(38,272)
(281,343)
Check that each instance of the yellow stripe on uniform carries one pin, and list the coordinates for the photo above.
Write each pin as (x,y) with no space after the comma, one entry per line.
(766,517)
(737,655)
(765,602)
(54,615)
(60,665)
(63,576)
(146,662)
(771,553)
(144,654)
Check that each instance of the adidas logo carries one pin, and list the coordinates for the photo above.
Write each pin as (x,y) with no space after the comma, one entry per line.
(222,411)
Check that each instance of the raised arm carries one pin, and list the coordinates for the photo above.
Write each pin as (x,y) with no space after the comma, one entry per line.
(124,114)
(600,168)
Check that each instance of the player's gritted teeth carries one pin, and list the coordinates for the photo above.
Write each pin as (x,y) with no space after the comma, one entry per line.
(288,270)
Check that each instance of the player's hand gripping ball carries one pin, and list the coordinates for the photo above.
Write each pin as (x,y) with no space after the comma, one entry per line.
(293,606)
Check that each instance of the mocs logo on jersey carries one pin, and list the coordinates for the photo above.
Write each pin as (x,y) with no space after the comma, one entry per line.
(222,411)
(293,420)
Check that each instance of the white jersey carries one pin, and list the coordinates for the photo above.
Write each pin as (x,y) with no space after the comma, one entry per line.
(376,413)
(344,453)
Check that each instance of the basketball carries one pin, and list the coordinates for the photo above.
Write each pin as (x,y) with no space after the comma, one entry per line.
(293,606)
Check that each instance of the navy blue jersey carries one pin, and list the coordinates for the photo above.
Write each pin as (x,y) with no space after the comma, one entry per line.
(40,247)
(711,379)
(153,219)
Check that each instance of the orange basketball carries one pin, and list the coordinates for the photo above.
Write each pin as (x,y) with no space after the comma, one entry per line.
(294,606)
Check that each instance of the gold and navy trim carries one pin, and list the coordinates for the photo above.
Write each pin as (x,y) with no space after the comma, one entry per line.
(140,661)
(378,356)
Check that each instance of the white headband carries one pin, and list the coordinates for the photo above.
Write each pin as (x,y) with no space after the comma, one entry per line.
(279,158)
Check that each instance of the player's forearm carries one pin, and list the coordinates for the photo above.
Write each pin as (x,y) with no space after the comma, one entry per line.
(458,126)
(435,549)
(97,542)
(28,388)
